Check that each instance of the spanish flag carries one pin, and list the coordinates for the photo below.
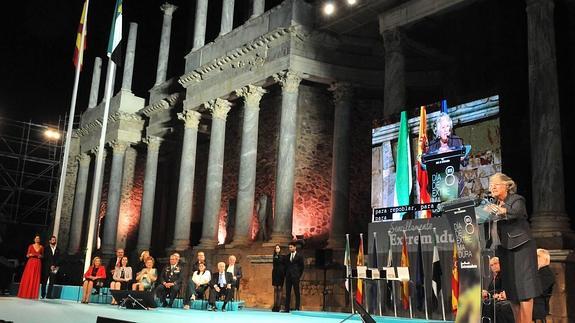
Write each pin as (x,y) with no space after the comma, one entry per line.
(422,178)
(81,38)
(360,262)
(454,281)
(404,263)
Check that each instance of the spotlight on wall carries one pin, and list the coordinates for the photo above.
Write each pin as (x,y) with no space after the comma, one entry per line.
(51,134)
(328,8)
(351,2)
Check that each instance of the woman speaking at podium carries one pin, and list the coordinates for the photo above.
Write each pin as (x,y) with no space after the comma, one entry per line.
(517,251)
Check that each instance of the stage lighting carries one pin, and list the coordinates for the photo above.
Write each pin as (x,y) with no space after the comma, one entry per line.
(52,134)
(328,8)
(351,2)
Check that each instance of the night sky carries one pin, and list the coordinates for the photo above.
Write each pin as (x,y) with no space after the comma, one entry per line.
(37,46)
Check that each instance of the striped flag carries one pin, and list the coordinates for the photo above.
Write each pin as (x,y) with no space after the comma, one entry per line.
(444,108)
(454,281)
(422,177)
(403,177)
(347,261)
(114,44)
(360,262)
(404,263)
(81,38)
(436,269)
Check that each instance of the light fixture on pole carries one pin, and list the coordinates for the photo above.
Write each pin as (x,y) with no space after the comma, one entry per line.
(328,8)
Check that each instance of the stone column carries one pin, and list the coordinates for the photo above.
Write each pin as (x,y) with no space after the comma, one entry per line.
(212,204)
(258,8)
(185,200)
(162,70)
(550,223)
(247,175)
(95,83)
(343,101)
(149,194)
(79,204)
(129,61)
(285,176)
(227,17)
(114,196)
(94,152)
(200,24)
(394,77)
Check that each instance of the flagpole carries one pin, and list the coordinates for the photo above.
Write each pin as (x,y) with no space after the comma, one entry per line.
(70,128)
(392,282)
(348,272)
(424,288)
(378,291)
(394,298)
(442,304)
(96,191)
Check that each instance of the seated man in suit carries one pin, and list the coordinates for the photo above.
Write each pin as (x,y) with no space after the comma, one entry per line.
(170,281)
(221,285)
(547,280)
(495,295)
(235,269)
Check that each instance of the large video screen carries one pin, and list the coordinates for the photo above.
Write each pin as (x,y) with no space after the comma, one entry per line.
(473,125)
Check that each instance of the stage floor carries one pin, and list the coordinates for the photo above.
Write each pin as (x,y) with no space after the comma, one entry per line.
(58,311)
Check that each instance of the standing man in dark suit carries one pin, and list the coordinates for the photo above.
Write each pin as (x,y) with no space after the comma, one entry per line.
(170,281)
(221,285)
(294,271)
(50,266)
(235,269)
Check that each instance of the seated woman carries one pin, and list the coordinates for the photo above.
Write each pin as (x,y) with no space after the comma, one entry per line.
(94,277)
(146,277)
(201,282)
(122,276)
(142,261)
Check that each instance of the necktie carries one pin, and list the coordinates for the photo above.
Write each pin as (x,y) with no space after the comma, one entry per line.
(221,281)
(291,258)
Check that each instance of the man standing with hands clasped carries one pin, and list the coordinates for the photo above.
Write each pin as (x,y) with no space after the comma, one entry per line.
(50,266)
(294,270)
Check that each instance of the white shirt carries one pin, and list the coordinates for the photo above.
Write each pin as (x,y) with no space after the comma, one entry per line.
(292,256)
(201,279)
(53,249)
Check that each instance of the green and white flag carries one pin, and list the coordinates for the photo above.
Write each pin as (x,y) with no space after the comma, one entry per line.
(114,44)
(403,176)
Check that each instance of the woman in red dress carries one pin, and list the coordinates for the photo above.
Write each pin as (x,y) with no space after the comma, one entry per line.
(30,283)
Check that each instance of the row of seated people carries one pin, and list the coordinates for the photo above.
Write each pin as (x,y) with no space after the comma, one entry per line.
(495,304)
(168,284)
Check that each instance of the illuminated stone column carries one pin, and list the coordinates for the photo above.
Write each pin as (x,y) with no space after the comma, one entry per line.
(247,175)
(114,196)
(185,200)
(394,94)
(200,23)
(212,204)
(343,101)
(550,222)
(258,7)
(149,194)
(95,87)
(162,69)
(79,204)
(94,153)
(227,17)
(129,60)
(285,176)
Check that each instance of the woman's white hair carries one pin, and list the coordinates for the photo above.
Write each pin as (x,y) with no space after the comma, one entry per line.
(443,117)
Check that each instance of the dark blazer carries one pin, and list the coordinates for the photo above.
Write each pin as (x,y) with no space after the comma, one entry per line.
(279,270)
(171,276)
(50,259)
(111,266)
(237,273)
(216,277)
(495,286)
(513,229)
(453,141)
(541,302)
(294,268)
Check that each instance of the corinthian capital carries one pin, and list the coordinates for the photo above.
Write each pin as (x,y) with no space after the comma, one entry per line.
(342,91)
(289,80)
(119,146)
(392,40)
(83,159)
(219,108)
(252,95)
(168,8)
(153,143)
(191,118)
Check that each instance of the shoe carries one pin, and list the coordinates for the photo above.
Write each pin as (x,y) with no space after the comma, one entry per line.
(95,292)
(285,311)
(210,308)
(193,297)
(186,307)
(164,304)
(223,309)
(275,309)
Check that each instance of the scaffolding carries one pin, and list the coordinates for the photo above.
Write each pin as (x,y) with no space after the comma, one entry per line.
(30,155)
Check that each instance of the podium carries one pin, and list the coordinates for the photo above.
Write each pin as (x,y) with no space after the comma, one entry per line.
(443,172)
